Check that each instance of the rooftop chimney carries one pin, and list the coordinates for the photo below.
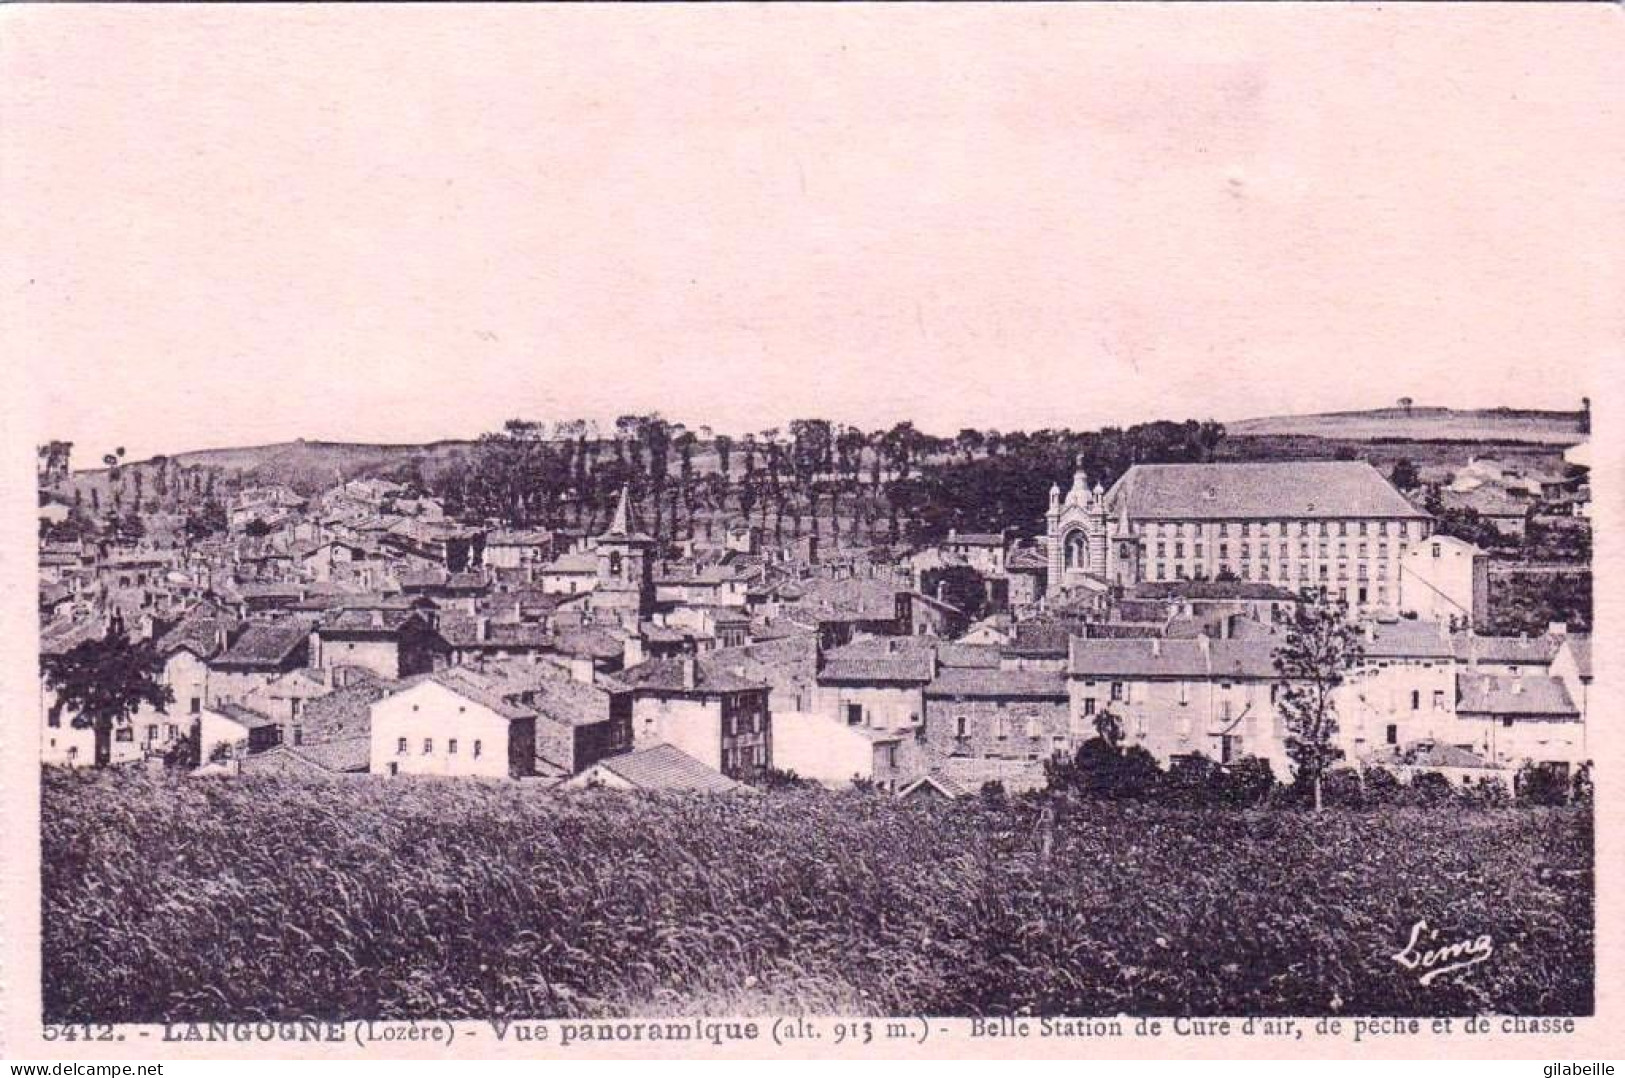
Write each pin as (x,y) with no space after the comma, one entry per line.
(1156,647)
(482,628)
(691,672)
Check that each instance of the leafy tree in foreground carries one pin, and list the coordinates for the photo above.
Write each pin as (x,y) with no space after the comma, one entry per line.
(1103,769)
(101,683)
(1321,647)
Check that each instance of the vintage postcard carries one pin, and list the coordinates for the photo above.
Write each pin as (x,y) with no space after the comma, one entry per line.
(812,531)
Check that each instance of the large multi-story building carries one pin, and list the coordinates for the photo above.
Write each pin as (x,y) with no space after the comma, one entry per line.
(1332,525)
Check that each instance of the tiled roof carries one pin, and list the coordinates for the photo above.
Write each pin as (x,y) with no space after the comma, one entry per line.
(688,574)
(1008,684)
(588,644)
(664,767)
(916,668)
(948,652)
(1429,754)
(975,539)
(1027,560)
(344,754)
(510,537)
(475,686)
(265,645)
(956,777)
(1039,638)
(1500,695)
(579,562)
(952,653)
(1142,630)
(345,712)
(1535,650)
(1270,490)
(199,632)
(1186,659)
(1405,639)
(663,634)
(246,717)
(272,590)
(563,699)
(856,597)
(667,675)
(463,631)
(60,637)
(346,620)
(785,663)
(421,578)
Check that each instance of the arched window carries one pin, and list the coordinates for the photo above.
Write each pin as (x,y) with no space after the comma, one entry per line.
(1077,556)
(615,563)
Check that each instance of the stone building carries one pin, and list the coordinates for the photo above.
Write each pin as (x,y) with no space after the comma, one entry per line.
(1333,526)
(998,714)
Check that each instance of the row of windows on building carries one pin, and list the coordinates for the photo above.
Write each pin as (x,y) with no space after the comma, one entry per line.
(1171,528)
(402,747)
(1006,727)
(1181,572)
(1284,549)
(126,732)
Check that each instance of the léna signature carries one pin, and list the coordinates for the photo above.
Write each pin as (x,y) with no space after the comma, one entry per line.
(1421,953)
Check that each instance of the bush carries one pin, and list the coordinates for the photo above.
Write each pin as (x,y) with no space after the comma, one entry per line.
(1429,788)
(1341,788)
(1193,780)
(1196,780)
(1485,793)
(1382,786)
(1583,789)
(1103,770)
(1249,781)
(1542,784)
(775,779)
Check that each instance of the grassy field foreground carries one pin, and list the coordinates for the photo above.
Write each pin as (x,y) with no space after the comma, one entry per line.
(175,899)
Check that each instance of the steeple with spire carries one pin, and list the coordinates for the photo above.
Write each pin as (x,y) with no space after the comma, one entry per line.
(618,524)
(625,582)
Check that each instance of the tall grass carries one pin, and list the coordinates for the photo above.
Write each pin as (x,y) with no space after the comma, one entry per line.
(169,900)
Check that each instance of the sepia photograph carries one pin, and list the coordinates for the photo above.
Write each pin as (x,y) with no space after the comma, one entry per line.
(802,529)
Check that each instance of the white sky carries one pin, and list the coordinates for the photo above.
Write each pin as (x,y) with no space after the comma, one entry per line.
(238,224)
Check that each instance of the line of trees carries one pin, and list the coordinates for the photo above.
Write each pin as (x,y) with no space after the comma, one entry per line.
(883,485)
